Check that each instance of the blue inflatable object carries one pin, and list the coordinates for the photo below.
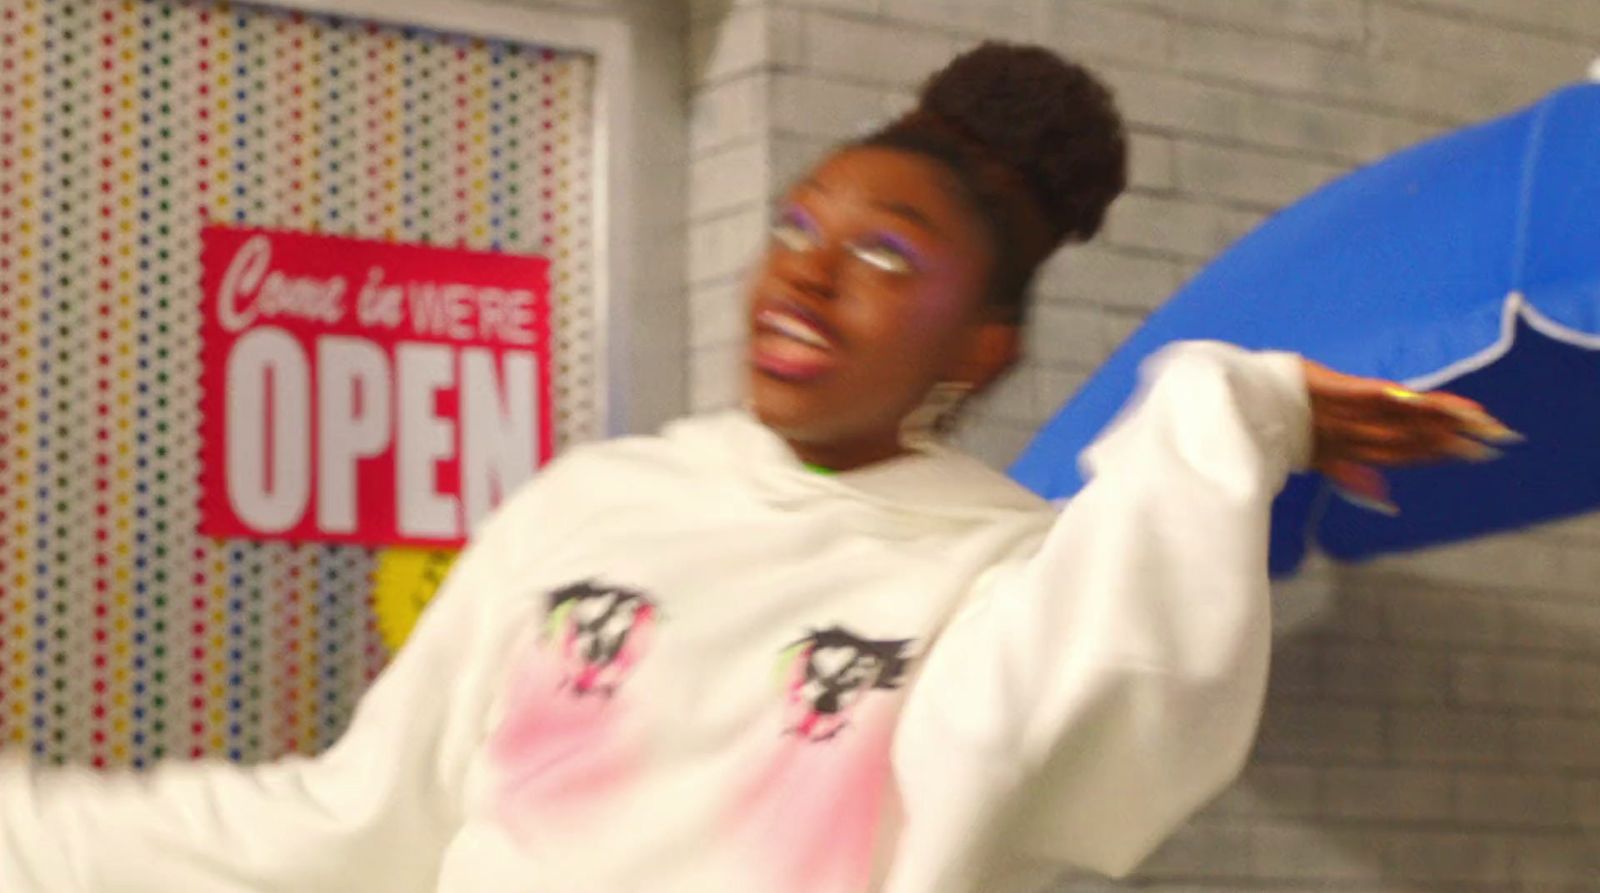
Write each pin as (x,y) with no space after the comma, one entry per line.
(1470,263)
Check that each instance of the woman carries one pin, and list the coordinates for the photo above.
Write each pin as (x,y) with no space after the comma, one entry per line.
(803,648)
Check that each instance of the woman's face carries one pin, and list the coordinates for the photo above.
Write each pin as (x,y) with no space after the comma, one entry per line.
(870,292)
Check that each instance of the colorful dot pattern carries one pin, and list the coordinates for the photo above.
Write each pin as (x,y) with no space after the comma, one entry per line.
(125,125)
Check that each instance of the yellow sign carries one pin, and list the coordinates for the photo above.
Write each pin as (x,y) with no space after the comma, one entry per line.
(403,584)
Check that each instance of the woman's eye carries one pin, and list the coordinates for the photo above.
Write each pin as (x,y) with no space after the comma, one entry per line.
(885,257)
(793,235)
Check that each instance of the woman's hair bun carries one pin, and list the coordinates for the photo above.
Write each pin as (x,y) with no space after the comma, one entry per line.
(1050,120)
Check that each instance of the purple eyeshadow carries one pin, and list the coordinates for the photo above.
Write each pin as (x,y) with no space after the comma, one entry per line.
(800,218)
(901,246)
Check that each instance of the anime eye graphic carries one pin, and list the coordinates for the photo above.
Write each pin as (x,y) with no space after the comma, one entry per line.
(618,623)
(592,609)
(831,663)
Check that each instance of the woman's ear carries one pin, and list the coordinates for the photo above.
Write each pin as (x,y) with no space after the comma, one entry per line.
(991,350)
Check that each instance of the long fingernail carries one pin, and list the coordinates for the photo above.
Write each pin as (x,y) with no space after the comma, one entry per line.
(1472,451)
(1370,503)
(1404,395)
(1502,435)
(1495,431)
(1480,424)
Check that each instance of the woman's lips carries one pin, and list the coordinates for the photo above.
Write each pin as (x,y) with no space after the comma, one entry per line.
(788,346)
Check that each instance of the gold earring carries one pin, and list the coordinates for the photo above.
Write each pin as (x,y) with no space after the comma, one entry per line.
(937,415)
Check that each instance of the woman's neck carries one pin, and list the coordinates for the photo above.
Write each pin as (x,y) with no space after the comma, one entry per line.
(848,456)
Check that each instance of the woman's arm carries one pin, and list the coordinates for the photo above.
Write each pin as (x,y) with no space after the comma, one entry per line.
(1096,695)
(372,814)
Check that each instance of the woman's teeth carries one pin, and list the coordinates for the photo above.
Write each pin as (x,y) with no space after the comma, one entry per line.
(790,327)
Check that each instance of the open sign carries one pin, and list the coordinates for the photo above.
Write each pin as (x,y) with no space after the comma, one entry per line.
(368,392)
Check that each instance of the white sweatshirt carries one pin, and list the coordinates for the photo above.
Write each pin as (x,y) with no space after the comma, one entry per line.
(685,664)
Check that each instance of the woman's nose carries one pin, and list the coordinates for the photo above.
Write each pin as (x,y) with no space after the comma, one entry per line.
(813,271)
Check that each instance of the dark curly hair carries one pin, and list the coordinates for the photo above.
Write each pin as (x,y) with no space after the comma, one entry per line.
(1037,143)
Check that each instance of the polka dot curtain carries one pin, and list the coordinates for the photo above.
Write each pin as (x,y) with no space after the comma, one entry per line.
(125,637)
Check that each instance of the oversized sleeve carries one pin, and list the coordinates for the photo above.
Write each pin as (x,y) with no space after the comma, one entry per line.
(373,813)
(1093,696)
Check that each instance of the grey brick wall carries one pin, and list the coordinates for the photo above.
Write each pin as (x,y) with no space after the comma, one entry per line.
(1434,721)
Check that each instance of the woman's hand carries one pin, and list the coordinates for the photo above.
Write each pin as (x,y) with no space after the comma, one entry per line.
(1360,424)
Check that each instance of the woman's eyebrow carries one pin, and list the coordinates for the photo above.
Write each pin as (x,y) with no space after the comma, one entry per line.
(910,214)
(899,209)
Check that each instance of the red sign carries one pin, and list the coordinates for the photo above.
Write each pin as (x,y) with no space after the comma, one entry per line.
(367,392)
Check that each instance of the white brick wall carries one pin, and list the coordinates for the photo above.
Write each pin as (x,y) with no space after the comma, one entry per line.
(1437,727)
